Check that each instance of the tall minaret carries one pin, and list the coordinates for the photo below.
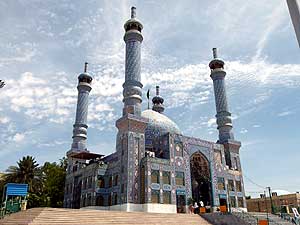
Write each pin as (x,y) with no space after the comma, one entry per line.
(80,126)
(132,88)
(131,126)
(158,101)
(223,116)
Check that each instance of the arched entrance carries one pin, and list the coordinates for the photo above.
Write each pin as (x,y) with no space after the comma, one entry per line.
(201,179)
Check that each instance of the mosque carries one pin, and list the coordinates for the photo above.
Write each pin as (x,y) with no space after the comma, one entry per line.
(155,168)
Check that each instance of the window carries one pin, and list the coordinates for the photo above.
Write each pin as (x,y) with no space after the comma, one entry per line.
(218,157)
(109,200)
(167,197)
(90,180)
(221,183)
(180,178)
(83,201)
(232,201)
(178,149)
(235,163)
(100,200)
(89,200)
(101,182)
(155,176)
(115,199)
(84,186)
(240,202)
(116,180)
(110,182)
(122,188)
(230,185)
(166,177)
(154,196)
(238,186)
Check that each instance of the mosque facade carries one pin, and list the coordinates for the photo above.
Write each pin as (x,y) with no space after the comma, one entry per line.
(155,168)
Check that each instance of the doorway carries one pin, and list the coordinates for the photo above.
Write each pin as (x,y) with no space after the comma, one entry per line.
(201,179)
(180,203)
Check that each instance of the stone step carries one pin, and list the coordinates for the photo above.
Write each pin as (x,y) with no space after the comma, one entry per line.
(53,216)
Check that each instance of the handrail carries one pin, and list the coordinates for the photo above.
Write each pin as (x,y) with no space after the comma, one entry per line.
(238,212)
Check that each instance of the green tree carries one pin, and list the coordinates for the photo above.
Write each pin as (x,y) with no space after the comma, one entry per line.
(46,183)
(54,183)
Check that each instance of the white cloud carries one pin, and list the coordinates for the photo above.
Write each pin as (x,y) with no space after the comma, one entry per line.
(285,113)
(244,131)
(19,137)
(4,120)
(211,122)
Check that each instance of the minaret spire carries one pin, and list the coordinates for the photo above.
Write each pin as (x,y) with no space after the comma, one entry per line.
(158,101)
(133,12)
(132,87)
(80,126)
(223,116)
(85,67)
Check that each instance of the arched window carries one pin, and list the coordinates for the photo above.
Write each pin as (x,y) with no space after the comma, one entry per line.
(110,182)
(116,180)
(101,182)
(109,200)
(115,199)
(100,200)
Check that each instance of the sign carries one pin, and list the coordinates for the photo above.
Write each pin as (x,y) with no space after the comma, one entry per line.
(13,189)
(155,186)
(180,192)
(222,196)
(167,187)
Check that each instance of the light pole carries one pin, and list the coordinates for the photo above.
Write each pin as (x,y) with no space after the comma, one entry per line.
(2,83)
(266,206)
(272,208)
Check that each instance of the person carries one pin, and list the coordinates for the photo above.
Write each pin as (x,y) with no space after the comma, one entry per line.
(196,208)
(191,208)
(201,204)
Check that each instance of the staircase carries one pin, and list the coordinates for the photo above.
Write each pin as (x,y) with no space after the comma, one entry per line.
(224,219)
(57,216)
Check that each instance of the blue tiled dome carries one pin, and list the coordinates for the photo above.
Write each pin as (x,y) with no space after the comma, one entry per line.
(160,123)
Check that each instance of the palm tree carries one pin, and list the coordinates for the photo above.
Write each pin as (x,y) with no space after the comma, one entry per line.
(26,171)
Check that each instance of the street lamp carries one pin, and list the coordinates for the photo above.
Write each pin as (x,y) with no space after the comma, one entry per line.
(2,83)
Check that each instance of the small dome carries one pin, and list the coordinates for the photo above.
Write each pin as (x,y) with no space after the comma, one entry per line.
(160,123)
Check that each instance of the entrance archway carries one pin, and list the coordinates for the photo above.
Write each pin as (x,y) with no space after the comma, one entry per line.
(201,179)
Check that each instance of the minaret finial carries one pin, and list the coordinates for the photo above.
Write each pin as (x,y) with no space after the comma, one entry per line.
(215,53)
(85,66)
(133,12)
(158,102)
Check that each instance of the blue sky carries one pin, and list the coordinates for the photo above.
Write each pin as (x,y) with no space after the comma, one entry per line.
(44,44)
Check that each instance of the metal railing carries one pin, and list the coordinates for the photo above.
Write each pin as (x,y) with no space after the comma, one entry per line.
(252,219)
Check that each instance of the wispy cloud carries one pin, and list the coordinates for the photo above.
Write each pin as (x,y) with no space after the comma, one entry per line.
(285,113)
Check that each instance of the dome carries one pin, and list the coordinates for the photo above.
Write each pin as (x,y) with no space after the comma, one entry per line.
(160,123)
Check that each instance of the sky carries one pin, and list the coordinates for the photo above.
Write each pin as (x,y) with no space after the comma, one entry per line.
(44,44)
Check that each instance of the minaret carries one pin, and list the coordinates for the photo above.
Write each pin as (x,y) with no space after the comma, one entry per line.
(131,126)
(158,101)
(80,126)
(132,88)
(223,116)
